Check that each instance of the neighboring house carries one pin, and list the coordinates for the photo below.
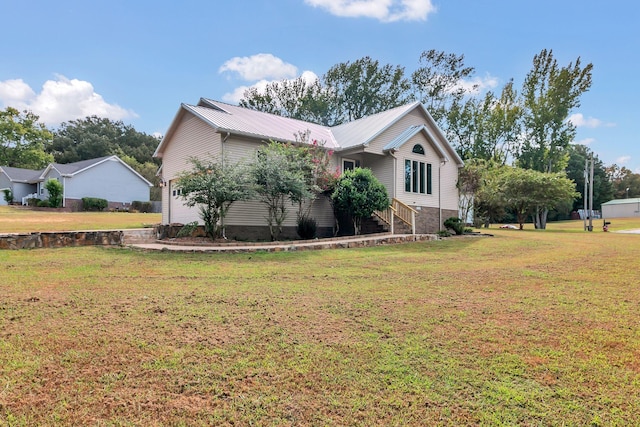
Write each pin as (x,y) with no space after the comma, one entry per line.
(403,147)
(106,178)
(621,208)
(21,182)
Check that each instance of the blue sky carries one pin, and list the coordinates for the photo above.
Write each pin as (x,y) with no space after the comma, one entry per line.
(137,60)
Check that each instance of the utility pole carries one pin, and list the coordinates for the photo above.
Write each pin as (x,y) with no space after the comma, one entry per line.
(584,197)
(591,194)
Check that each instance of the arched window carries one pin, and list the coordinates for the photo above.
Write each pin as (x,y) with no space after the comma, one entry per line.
(418,149)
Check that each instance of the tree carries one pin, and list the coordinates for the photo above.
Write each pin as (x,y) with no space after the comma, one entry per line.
(364,87)
(23,140)
(93,137)
(603,190)
(486,128)
(359,193)
(625,183)
(279,178)
(346,92)
(213,185)
(55,190)
(524,191)
(297,99)
(438,82)
(549,94)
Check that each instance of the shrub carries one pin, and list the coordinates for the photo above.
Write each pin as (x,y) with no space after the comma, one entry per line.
(54,188)
(188,229)
(94,204)
(144,207)
(444,233)
(8,195)
(33,201)
(454,224)
(307,227)
(43,204)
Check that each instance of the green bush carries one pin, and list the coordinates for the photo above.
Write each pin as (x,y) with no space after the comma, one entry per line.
(33,201)
(94,204)
(307,227)
(454,224)
(187,230)
(43,204)
(144,207)
(55,190)
(8,195)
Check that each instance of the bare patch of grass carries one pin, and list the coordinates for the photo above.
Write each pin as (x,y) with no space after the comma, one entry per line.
(525,328)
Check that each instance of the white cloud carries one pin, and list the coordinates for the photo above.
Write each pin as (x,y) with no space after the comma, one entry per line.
(60,100)
(589,122)
(586,141)
(623,160)
(259,67)
(238,93)
(382,10)
(478,84)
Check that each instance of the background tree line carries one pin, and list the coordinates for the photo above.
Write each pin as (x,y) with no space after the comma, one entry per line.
(524,127)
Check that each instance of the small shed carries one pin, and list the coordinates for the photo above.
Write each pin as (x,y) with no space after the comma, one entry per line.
(621,208)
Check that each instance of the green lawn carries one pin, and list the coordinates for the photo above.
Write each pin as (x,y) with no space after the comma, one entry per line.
(523,328)
(15,219)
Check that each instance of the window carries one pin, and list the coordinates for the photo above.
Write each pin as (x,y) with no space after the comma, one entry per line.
(348,164)
(418,149)
(417,177)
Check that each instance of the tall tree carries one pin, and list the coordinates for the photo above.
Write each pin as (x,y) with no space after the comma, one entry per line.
(550,93)
(364,87)
(297,99)
(438,82)
(486,128)
(23,140)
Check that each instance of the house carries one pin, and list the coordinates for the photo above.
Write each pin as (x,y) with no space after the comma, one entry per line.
(106,178)
(403,147)
(621,208)
(21,182)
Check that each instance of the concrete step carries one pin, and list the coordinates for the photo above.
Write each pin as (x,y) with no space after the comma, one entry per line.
(138,235)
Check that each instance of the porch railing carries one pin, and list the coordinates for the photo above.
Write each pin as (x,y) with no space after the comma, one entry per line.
(401,211)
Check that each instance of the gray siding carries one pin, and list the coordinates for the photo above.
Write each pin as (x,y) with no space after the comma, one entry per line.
(110,180)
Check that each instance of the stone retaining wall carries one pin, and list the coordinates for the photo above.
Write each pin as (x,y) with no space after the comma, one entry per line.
(61,239)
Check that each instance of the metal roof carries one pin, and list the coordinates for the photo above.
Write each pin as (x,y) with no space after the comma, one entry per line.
(244,121)
(622,202)
(237,120)
(362,131)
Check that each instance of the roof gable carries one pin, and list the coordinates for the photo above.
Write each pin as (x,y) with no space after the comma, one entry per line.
(69,170)
(27,176)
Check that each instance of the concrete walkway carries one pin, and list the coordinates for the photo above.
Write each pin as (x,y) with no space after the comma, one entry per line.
(298,245)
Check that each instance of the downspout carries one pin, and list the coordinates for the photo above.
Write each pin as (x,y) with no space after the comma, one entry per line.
(440,165)
(224,234)
(64,192)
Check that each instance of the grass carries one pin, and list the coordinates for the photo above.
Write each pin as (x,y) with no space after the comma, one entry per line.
(523,328)
(15,219)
